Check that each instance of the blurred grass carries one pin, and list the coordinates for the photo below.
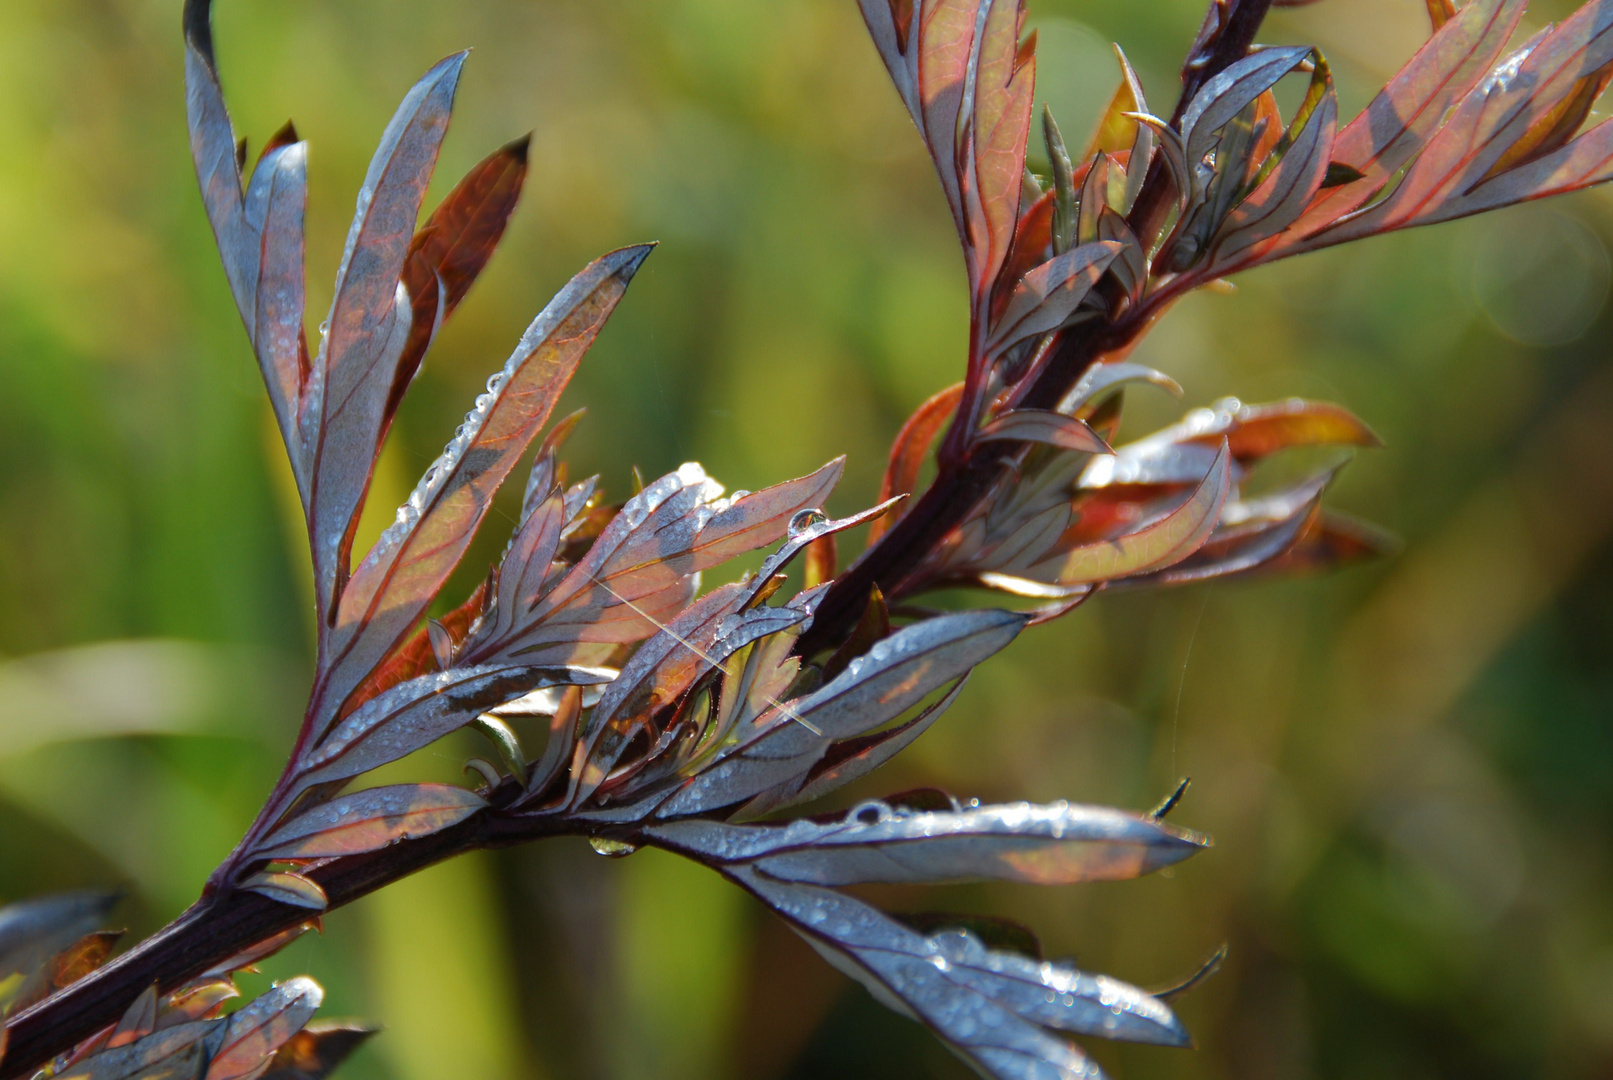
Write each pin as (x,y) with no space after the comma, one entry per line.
(1408,768)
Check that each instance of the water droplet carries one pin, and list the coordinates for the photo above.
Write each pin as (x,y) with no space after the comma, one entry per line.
(324,327)
(611,849)
(806,519)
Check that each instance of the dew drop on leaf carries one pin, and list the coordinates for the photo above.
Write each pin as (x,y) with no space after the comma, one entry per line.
(806,519)
(611,849)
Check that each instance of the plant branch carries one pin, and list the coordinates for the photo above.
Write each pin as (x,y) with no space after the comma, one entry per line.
(226,923)
(966,473)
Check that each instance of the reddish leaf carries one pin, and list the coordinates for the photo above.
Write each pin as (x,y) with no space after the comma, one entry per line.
(1002,88)
(1396,124)
(908,452)
(1162,543)
(946,36)
(414,657)
(638,571)
(370,819)
(449,252)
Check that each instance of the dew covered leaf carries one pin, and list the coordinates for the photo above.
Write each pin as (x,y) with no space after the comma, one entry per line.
(851,759)
(640,571)
(421,711)
(391,588)
(1054,844)
(259,1028)
(370,819)
(1005,1014)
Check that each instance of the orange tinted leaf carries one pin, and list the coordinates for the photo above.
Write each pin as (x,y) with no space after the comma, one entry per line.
(908,452)
(1002,116)
(1169,540)
(1557,126)
(1332,541)
(370,819)
(1441,12)
(1260,430)
(453,247)
(820,562)
(315,1051)
(1116,130)
(82,957)
(946,37)
(199,1000)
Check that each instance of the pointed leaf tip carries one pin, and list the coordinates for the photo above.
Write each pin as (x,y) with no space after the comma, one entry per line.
(627,260)
(198,25)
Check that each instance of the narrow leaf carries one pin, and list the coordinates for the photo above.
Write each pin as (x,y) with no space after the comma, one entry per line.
(1045,426)
(453,246)
(421,711)
(1049,294)
(1056,844)
(344,409)
(894,675)
(910,449)
(288,888)
(370,819)
(997,1010)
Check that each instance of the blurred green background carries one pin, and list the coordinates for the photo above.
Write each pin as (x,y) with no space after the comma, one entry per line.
(1405,766)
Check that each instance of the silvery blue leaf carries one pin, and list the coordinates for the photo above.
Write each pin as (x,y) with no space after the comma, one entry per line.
(1055,844)
(999,1011)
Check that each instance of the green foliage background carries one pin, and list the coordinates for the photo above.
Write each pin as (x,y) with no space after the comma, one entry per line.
(1408,768)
